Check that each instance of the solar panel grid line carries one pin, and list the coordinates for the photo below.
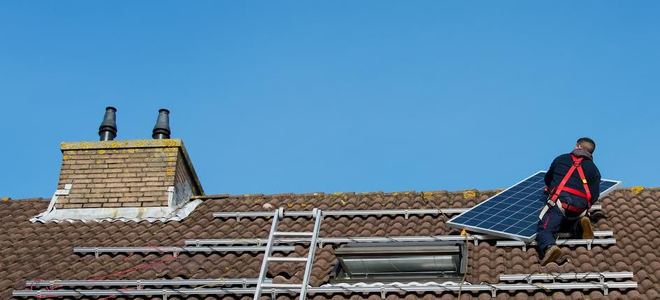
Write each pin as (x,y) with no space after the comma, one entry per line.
(503,192)
(529,205)
(488,219)
(519,200)
(484,204)
(513,213)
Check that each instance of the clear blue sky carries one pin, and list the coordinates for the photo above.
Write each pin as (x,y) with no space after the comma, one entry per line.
(279,96)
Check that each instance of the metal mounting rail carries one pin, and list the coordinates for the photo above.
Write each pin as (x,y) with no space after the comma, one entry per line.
(249,244)
(383,290)
(176,250)
(529,278)
(598,234)
(575,242)
(367,212)
(146,282)
(341,240)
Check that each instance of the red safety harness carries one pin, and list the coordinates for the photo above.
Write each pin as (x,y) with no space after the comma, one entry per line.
(554,196)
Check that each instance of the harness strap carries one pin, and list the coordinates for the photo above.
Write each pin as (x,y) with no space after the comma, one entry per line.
(576,162)
(564,207)
(575,192)
(585,184)
(571,208)
(554,198)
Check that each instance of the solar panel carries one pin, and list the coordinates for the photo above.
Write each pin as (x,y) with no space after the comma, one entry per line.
(514,212)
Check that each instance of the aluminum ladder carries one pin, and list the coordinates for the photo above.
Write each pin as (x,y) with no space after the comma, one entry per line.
(317,216)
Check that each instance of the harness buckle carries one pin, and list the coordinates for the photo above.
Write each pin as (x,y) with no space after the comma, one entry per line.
(584,180)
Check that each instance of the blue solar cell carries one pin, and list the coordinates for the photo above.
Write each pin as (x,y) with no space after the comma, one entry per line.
(514,212)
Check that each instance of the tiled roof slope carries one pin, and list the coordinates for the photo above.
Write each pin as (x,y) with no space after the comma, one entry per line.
(44,251)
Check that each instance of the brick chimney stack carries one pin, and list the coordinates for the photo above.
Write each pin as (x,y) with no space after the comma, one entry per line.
(137,173)
(130,180)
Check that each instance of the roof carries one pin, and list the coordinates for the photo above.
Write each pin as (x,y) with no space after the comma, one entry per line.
(31,251)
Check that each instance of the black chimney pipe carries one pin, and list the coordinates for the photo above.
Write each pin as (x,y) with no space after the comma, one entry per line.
(108,128)
(162,128)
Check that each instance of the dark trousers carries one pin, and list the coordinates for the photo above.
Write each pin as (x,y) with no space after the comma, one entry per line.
(555,221)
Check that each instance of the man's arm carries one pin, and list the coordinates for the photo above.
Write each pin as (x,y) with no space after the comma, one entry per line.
(594,185)
(550,173)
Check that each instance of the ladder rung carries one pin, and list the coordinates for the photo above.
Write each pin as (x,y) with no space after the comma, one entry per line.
(281,285)
(287,259)
(311,237)
(297,234)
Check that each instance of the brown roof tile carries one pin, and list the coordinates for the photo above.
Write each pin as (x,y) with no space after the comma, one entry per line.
(31,251)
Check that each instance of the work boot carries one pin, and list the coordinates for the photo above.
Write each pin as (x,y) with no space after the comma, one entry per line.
(551,255)
(587,230)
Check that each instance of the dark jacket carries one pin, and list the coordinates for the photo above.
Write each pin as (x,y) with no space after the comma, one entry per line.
(560,167)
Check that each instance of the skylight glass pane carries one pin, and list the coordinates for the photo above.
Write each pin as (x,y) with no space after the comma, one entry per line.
(406,264)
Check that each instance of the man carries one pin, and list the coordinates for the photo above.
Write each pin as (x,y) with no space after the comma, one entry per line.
(572,183)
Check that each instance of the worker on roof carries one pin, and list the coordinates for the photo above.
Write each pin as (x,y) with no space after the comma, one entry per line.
(572,184)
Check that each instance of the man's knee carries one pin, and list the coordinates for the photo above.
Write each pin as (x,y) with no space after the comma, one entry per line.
(551,221)
(548,227)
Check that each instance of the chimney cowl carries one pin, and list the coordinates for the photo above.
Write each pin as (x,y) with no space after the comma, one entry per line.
(108,128)
(162,128)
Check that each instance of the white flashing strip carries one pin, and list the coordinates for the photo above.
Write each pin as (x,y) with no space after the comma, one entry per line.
(51,204)
(150,214)
(170,196)
(383,289)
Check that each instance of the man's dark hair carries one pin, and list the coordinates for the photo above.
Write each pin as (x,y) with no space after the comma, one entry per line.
(587,143)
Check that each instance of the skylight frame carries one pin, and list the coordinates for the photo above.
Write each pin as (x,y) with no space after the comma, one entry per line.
(371,254)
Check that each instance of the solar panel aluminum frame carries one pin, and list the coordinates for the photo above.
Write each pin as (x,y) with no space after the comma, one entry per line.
(616,185)
(526,239)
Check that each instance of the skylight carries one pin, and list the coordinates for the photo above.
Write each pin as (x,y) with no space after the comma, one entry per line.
(406,261)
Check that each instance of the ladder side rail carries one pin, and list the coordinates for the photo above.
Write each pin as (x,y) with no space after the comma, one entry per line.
(264,263)
(318,217)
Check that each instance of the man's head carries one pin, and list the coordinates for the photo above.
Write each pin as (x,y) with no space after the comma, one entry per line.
(586,144)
